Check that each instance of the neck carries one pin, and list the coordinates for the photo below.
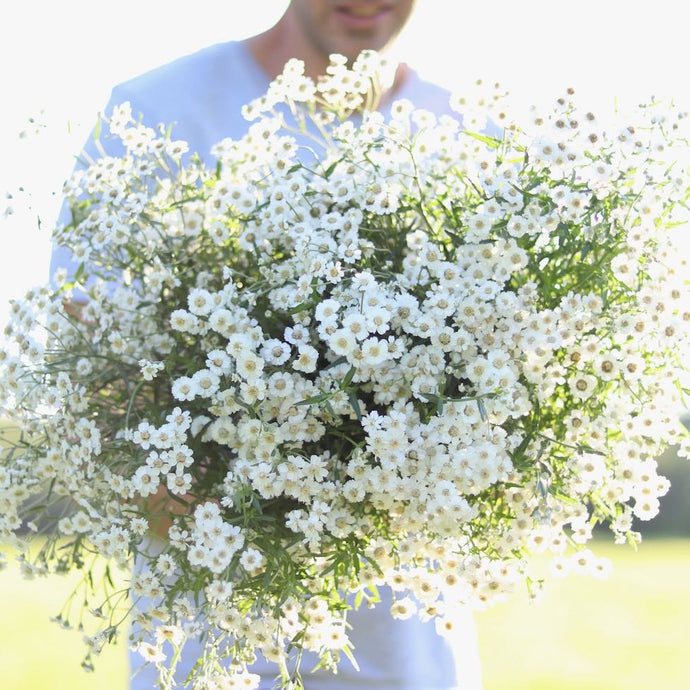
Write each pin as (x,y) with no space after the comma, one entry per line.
(273,48)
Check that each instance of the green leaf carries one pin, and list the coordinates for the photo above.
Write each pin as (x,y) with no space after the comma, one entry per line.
(488,140)
(97,129)
(347,380)
(315,399)
(355,405)
(348,653)
(329,170)
(301,307)
(482,410)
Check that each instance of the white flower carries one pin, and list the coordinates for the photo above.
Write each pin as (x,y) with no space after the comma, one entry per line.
(151,653)
(280,384)
(222,320)
(184,388)
(306,360)
(374,351)
(183,321)
(275,351)
(205,382)
(165,564)
(583,386)
(249,366)
(145,481)
(296,335)
(342,342)
(219,362)
(200,302)
(404,608)
(142,435)
(178,482)
(149,370)
(327,309)
(252,561)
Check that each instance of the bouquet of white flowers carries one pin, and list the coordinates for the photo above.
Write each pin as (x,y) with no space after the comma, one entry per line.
(404,355)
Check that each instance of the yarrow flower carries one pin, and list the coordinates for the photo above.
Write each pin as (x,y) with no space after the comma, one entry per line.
(149,370)
(416,361)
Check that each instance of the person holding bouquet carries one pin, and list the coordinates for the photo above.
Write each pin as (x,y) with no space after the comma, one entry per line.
(202,96)
(335,350)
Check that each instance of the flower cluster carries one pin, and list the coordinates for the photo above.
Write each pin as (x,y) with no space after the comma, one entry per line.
(406,355)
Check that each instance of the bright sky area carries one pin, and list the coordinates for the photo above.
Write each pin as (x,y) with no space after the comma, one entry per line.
(60,60)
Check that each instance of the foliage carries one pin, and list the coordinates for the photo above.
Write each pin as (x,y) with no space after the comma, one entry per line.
(354,353)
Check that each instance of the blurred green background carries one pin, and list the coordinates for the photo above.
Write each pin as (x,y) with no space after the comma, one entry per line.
(628,632)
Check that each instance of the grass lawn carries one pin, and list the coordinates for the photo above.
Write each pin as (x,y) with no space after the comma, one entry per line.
(631,631)
(35,653)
